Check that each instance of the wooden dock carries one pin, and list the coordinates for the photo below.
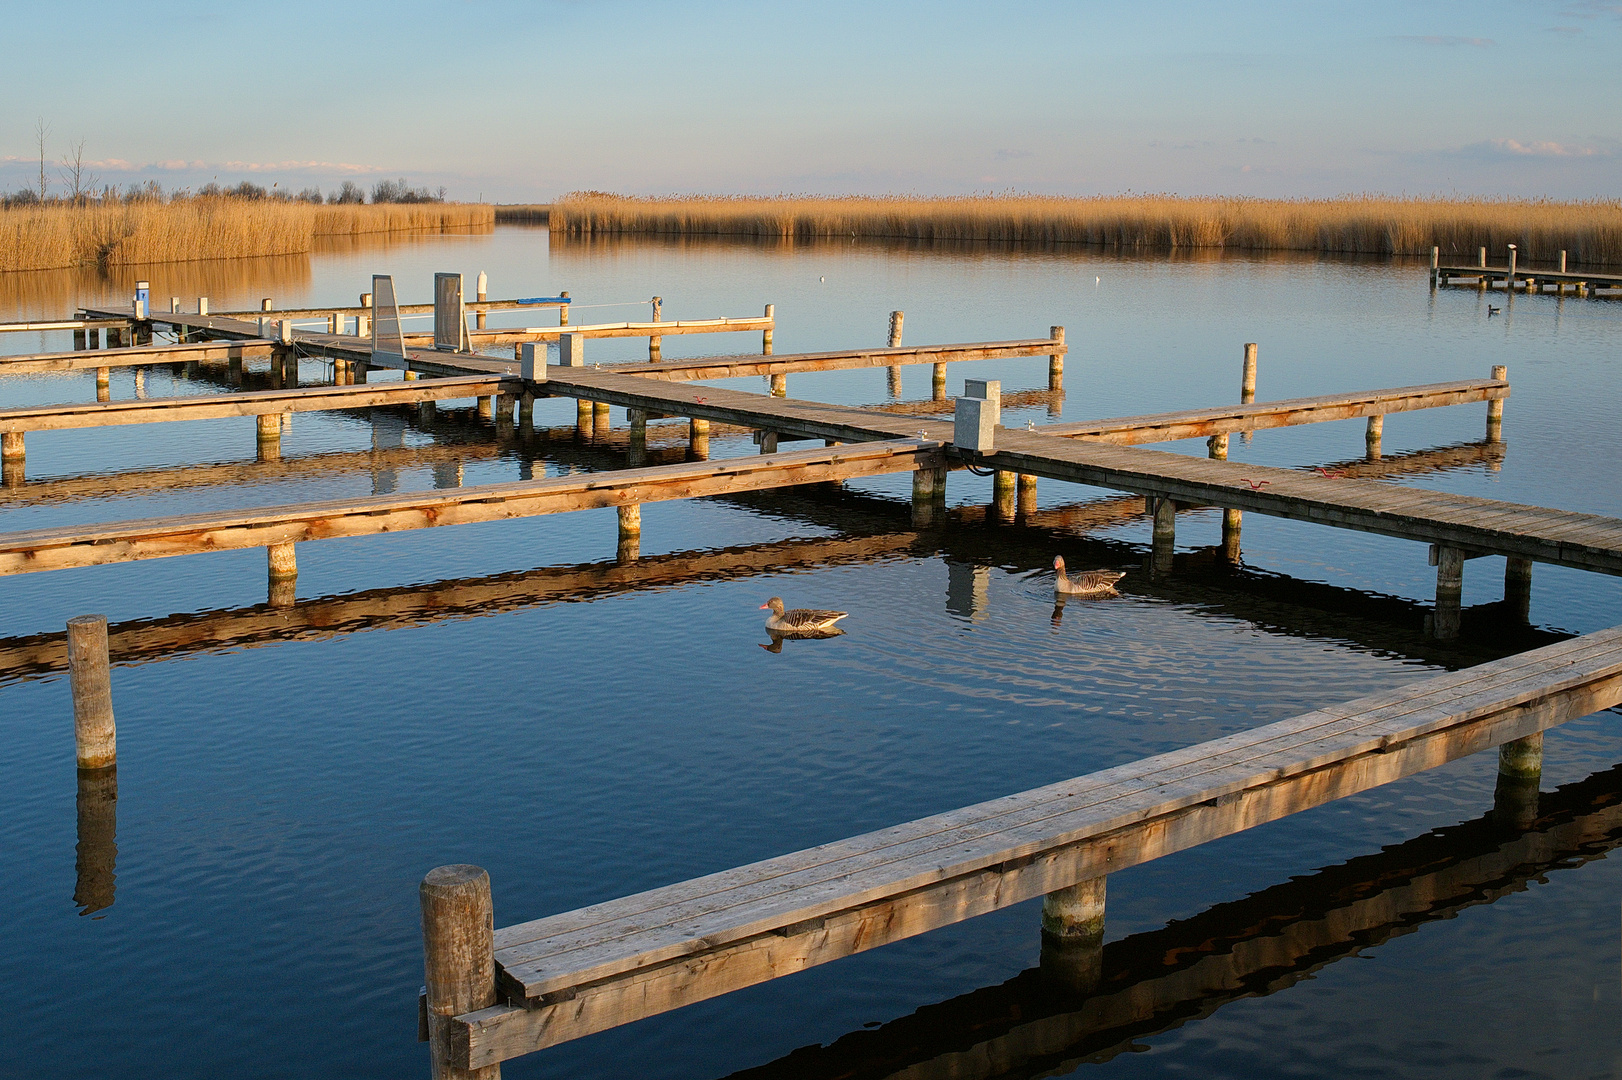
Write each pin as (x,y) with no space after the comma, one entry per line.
(578,972)
(235,349)
(1529,278)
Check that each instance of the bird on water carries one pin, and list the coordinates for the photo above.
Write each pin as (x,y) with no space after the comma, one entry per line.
(1086,583)
(1491,310)
(798,620)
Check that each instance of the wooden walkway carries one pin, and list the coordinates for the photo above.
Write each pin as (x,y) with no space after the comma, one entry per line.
(134,356)
(508,335)
(1530,276)
(583,971)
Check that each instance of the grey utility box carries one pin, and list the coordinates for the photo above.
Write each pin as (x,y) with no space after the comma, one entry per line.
(974,424)
(988,389)
(572,350)
(532,361)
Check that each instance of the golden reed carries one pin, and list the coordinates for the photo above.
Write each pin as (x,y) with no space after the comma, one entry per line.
(1589,231)
(51,237)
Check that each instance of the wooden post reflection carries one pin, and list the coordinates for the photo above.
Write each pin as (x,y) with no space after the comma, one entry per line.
(98,849)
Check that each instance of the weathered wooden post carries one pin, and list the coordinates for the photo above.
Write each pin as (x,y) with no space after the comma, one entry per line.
(13,459)
(115,337)
(484,405)
(1026,504)
(104,383)
(266,305)
(1056,360)
(1562,260)
(928,497)
(602,419)
(1163,540)
(766,334)
(583,418)
(1449,562)
(896,320)
(1073,935)
(1518,587)
(1372,437)
(282,562)
(698,439)
(363,321)
(656,341)
(95,736)
(937,383)
(1216,448)
(269,433)
(639,437)
(335,323)
(630,515)
(1495,408)
(779,385)
(563,309)
(1247,380)
(459,960)
(1436,262)
(480,288)
(532,369)
(78,340)
(768,442)
(1004,495)
(1509,278)
(96,856)
(1520,772)
(93,338)
(505,403)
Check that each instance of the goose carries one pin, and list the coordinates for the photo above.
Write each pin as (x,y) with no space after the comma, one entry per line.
(799,620)
(1086,583)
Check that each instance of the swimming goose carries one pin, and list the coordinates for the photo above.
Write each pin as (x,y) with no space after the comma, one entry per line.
(799,620)
(1088,582)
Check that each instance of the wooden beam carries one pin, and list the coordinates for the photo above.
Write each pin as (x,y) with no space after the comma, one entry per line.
(726,367)
(63,324)
(405,309)
(63,548)
(133,356)
(497,335)
(598,967)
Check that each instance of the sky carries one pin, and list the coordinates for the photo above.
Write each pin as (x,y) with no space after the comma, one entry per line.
(504,101)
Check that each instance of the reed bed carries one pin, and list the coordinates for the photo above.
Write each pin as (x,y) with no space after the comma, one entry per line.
(1589,231)
(185,230)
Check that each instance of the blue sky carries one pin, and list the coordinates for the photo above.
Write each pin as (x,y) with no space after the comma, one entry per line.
(518,102)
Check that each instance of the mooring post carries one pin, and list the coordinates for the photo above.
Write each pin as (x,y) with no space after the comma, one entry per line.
(583,417)
(563,309)
(630,533)
(928,497)
(1449,592)
(1520,772)
(481,286)
(1004,495)
(1562,260)
(1509,278)
(779,384)
(526,412)
(427,411)
(1216,448)
(1371,438)
(766,334)
(602,419)
(13,458)
(768,442)
(363,321)
(698,439)
(505,404)
(1247,380)
(1056,360)
(1495,408)
(104,381)
(937,383)
(639,436)
(1436,262)
(459,960)
(1163,541)
(266,304)
(656,341)
(95,737)
(97,852)
(1073,935)
(1518,587)
(269,433)
(1026,502)
(282,562)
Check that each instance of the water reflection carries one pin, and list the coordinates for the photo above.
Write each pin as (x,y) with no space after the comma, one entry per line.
(97,851)
(778,637)
(1154,982)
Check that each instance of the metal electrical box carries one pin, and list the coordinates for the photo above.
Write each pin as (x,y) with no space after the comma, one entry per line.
(450,315)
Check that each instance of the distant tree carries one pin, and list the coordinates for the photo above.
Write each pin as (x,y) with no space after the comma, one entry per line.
(350,193)
(78,182)
(210,190)
(22,197)
(41,131)
(246,190)
(398,191)
(310,195)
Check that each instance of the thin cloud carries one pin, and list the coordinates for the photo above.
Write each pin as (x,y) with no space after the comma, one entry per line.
(1446,40)
(1548,149)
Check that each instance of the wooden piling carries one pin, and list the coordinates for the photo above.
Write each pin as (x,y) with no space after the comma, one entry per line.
(768,442)
(282,563)
(1216,448)
(1056,360)
(639,437)
(779,385)
(1520,773)
(92,338)
(1163,540)
(766,334)
(115,338)
(1436,262)
(1449,593)
(1072,954)
(526,412)
(505,403)
(1518,587)
(698,439)
(1562,260)
(630,520)
(96,855)
(1247,379)
(95,736)
(1026,503)
(896,320)
(459,960)
(104,378)
(937,383)
(656,341)
(563,311)
(1509,278)
(269,432)
(602,418)
(1495,409)
(78,340)
(1004,495)
(335,323)
(426,412)
(483,284)
(13,458)
(928,497)
(1371,438)
(583,417)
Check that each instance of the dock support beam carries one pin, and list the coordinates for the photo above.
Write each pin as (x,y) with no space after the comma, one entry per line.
(928,497)
(768,442)
(1371,439)
(1216,448)
(1163,541)
(937,383)
(779,385)
(630,532)
(95,737)
(1520,771)
(582,417)
(1025,505)
(656,341)
(459,959)
(1073,935)
(13,459)
(1004,495)
(766,334)
(269,433)
(104,378)
(602,420)
(1495,409)
(1449,593)
(698,439)
(1056,361)
(1247,379)
(505,404)
(1518,587)
(282,561)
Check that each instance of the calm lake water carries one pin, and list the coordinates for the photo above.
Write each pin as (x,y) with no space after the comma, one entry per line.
(498,694)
